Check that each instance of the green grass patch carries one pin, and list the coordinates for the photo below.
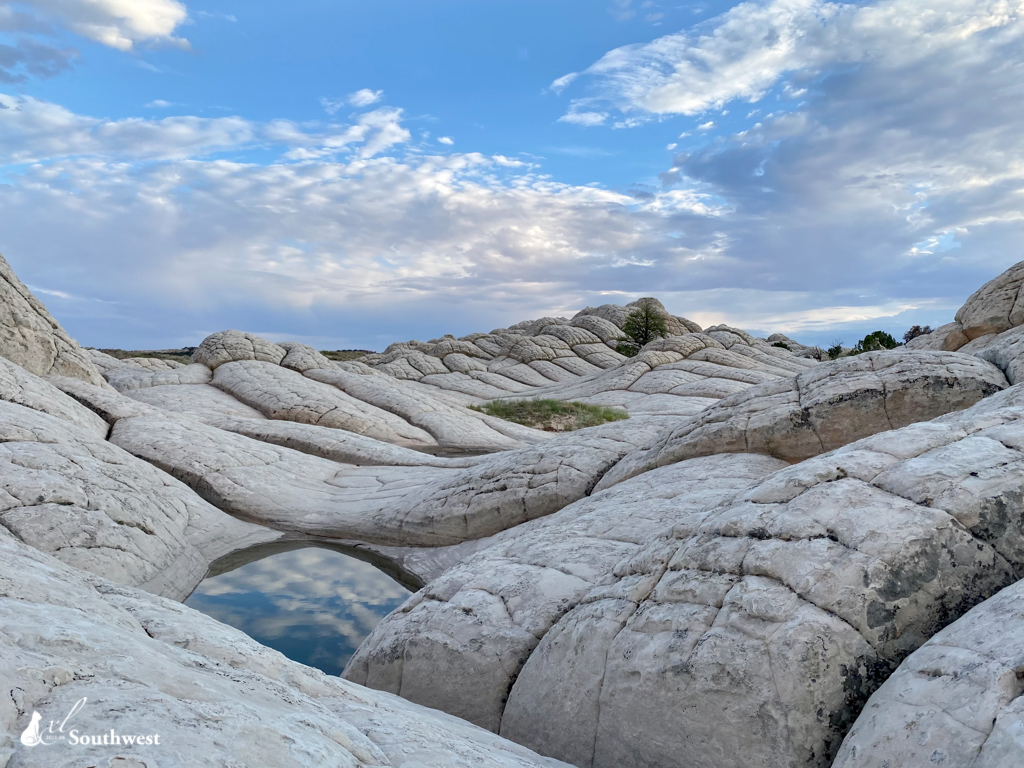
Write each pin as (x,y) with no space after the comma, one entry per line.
(551,415)
(344,355)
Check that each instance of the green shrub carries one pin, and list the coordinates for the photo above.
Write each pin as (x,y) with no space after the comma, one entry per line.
(874,342)
(627,348)
(835,350)
(551,415)
(782,345)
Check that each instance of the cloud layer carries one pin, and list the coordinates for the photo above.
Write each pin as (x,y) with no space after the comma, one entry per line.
(876,181)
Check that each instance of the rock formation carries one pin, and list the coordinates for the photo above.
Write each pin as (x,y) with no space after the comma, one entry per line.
(771,555)
(30,337)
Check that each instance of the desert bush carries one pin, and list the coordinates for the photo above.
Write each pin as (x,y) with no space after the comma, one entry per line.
(874,342)
(835,350)
(915,331)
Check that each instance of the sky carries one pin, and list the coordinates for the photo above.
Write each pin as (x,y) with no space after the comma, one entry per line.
(351,174)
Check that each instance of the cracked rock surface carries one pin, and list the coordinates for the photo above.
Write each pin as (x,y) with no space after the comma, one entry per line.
(459,644)
(824,408)
(65,490)
(401,505)
(776,612)
(955,701)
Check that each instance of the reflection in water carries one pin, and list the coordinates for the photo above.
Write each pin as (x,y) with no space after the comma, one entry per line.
(313,605)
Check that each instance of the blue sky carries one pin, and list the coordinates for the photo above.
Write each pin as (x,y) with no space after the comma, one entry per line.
(350,174)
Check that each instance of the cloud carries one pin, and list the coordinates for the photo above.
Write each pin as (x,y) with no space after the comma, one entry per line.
(221,16)
(347,223)
(445,140)
(887,194)
(563,82)
(745,51)
(621,10)
(29,58)
(361,98)
(331,106)
(32,130)
(365,97)
(584,118)
(120,24)
(159,104)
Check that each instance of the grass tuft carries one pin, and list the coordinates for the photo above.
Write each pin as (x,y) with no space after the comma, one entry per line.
(344,355)
(551,415)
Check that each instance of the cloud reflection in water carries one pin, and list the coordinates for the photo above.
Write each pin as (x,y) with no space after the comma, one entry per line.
(313,605)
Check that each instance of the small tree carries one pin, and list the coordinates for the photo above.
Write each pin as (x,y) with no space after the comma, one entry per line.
(874,342)
(835,350)
(915,331)
(643,325)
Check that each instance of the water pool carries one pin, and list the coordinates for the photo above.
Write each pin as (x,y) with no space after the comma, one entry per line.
(312,604)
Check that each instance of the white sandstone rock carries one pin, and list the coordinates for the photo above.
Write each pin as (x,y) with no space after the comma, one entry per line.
(825,407)
(279,393)
(231,346)
(214,696)
(956,701)
(32,339)
(459,644)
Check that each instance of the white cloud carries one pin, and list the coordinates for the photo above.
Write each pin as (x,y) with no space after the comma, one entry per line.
(563,82)
(159,104)
(33,130)
(361,98)
(445,140)
(745,51)
(347,227)
(331,106)
(365,97)
(119,24)
(584,118)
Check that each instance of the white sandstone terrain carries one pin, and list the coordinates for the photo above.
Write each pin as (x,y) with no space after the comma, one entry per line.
(774,562)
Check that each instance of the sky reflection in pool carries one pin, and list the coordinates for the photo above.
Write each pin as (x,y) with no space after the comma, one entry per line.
(313,605)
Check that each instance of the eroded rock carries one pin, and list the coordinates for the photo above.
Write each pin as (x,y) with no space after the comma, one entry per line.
(213,695)
(825,407)
(32,339)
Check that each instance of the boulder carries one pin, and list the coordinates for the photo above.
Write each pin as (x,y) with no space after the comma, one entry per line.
(231,346)
(302,358)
